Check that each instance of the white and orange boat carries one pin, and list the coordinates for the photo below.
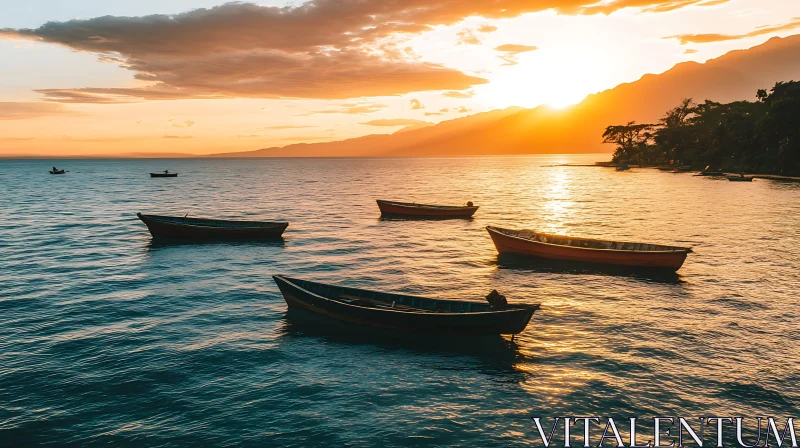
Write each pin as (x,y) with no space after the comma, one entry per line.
(587,250)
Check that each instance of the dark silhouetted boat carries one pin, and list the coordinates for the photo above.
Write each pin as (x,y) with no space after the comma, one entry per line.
(587,250)
(392,208)
(623,167)
(740,178)
(709,172)
(166,173)
(56,171)
(210,229)
(404,312)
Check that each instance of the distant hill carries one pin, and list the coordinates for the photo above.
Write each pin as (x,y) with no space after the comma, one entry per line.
(576,129)
(382,144)
(121,155)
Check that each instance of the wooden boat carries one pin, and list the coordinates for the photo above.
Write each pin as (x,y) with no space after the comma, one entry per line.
(57,172)
(209,229)
(623,167)
(393,208)
(740,178)
(709,172)
(665,168)
(684,168)
(587,250)
(403,312)
(164,174)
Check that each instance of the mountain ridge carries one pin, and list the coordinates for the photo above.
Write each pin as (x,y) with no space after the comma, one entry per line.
(734,76)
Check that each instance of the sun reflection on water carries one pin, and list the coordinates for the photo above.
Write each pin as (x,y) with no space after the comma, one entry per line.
(558,208)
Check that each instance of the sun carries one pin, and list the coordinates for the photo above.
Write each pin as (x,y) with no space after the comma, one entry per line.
(557,77)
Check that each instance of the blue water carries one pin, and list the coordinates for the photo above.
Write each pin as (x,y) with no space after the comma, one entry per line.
(107,339)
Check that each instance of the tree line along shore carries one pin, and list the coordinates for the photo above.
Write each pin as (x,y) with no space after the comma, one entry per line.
(761,137)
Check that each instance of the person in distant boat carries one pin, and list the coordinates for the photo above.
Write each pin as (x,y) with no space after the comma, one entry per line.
(166,171)
(469,204)
(55,169)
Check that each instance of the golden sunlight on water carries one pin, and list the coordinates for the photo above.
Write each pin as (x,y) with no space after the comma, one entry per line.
(90,303)
(558,208)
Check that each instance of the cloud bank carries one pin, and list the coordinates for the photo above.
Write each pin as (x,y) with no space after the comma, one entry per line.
(324,49)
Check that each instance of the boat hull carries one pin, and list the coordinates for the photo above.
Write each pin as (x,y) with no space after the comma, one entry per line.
(57,172)
(420,210)
(163,174)
(666,260)
(740,179)
(509,321)
(194,229)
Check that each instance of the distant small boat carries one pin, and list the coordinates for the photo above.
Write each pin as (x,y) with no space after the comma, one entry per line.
(393,208)
(56,171)
(665,168)
(684,168)
(741,178)
(164,174)
(210,229)
(709,172)
(404,312)
(623,167)
(587,250)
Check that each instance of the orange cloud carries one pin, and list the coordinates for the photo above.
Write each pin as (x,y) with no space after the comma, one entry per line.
(320,49)
(395,122)
(352,109)
(708,38)
(647,5)
(285,126)
(690,51)
(27,110)
(455,94)
(337,76)
(512,50)
(184,124)
(468,37)
(415,104)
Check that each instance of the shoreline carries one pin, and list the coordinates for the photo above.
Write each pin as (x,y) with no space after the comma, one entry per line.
(775,177)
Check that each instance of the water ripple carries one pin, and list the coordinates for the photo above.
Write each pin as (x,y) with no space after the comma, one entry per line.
(109,338)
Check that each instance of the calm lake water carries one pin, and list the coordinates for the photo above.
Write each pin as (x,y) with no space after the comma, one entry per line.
(109,339)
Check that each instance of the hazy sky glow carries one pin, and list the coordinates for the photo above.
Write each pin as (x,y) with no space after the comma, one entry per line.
(93,77)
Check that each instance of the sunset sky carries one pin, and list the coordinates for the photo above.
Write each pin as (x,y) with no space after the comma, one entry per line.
(203,76)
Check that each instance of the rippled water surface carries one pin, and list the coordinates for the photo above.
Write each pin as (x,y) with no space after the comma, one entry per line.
(109,339)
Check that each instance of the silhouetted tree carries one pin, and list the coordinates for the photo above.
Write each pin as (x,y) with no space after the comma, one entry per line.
(631,139)
(761,137)
(674,137)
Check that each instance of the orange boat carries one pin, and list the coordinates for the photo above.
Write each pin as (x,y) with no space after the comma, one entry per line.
(426,210)
(587,250)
